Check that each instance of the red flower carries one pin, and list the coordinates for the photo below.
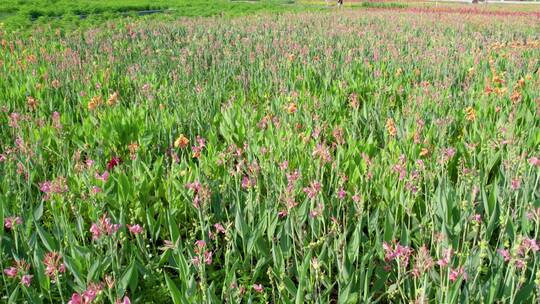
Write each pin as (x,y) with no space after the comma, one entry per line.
(115,161)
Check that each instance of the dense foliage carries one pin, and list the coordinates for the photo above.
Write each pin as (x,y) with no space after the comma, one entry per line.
(368,156)
(23,14)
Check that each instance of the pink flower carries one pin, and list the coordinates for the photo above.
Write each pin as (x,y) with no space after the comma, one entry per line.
(199,245)
(196,260)
(318,211)
(200,193)
(45,186)
(57,186)
(103,177)
(195,186)
(26,280)
(12,221)
(505,254)
(341,193)
(91,292)
(96,232)
(76,299)
(477,218)
(516,184)
(53,264)
(456,273)
(399,252)
(246,182)
(258,288)
(401,167)
(313,189)
(124,301)
(447,256)
(11,272)
(449,153)
(219,228)
(56,120)
(208,257)
(103,227)
(135,229)
(528,244)
(200,145)
(534,161)
(322,152)
(95,190)
(89,163)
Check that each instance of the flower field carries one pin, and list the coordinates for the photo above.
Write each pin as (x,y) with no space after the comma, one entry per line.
(351,156)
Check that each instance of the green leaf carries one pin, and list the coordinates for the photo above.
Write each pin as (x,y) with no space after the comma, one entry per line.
(93,271)
(239,224)
(130,278)
(2,217)
(303,273)
(175,293)
(14,295)
(38,212)
(389,227)
(525,294)
(46,238)
(173,227)
(354,244)
(74,269)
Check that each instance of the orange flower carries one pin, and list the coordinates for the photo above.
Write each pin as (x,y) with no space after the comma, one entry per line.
(516,97)
(113,99)
(391,127)
(181,141)
(32,102)
(95,102)
(424,152)
(500,91)
(521,83)
(497,79)
(291,108)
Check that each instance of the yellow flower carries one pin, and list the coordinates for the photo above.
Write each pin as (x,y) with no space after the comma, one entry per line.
(391,127)
(470,114)
(133,147)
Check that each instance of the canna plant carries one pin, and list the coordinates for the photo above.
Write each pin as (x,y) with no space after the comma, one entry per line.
(374,156)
